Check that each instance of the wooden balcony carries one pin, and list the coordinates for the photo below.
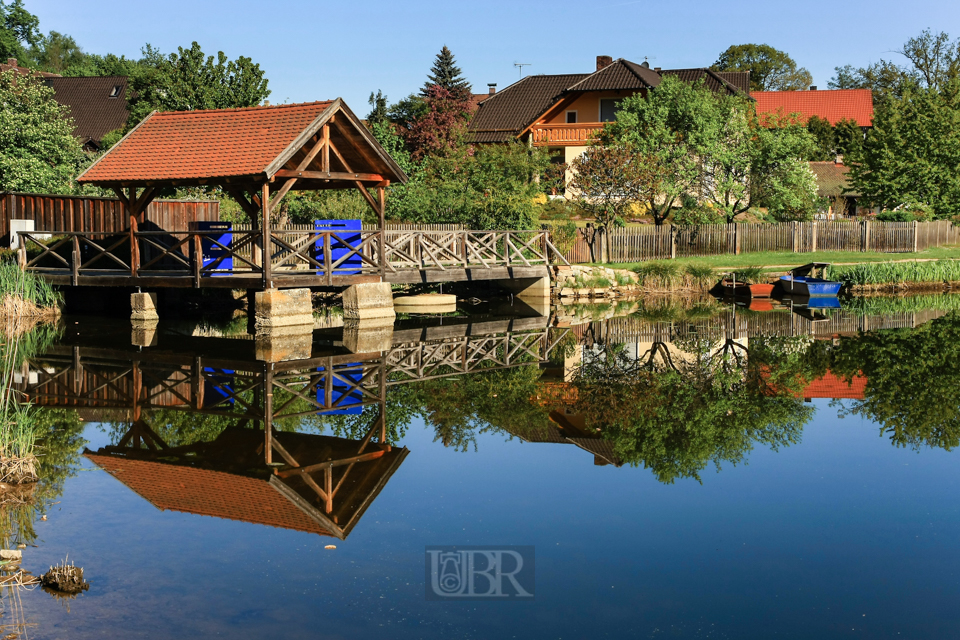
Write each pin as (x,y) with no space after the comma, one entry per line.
(565,135)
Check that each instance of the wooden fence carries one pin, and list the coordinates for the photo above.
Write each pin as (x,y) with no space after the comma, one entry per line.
(53,213)
(635,244)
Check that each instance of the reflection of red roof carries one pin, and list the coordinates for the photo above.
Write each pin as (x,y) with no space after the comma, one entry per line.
(207,493)
(205,143)
(832,386)
(833,105)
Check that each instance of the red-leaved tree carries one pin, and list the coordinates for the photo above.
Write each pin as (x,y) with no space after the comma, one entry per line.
(441,126)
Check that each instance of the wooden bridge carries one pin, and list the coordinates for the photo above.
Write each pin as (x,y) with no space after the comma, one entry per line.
(257,156)
(298,258)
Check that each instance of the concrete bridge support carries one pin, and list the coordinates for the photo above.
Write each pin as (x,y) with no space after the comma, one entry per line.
(143,307)
(369,301)
(528,288)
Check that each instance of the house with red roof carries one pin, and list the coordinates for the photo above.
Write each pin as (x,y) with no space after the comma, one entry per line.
(833,105)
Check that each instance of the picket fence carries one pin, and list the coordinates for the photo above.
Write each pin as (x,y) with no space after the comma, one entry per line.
(635,244)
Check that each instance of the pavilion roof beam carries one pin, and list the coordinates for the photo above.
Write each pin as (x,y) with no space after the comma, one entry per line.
(317,147)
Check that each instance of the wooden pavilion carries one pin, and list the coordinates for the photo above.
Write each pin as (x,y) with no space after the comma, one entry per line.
(257,155)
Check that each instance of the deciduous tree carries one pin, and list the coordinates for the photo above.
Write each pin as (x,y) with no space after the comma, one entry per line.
(38,152)
(190,79)
(770,69)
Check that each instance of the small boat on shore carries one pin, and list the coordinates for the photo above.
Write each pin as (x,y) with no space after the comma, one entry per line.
(731,287)
(803,281)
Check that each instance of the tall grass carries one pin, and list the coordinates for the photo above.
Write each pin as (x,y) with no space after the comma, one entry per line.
(889,305)
(880,273)
(670,276)
(19,285)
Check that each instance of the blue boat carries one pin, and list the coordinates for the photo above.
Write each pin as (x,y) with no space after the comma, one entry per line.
(803,281)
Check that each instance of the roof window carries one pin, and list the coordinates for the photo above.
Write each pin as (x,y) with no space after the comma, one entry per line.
(115,92)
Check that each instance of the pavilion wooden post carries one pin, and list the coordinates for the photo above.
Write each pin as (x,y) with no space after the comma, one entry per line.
(268,413)
(267,238)
(136,207)
(381,216)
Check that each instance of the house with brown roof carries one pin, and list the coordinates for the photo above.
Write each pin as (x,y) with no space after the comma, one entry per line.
(98,105)
(833,183)
(13,65)
(563,112)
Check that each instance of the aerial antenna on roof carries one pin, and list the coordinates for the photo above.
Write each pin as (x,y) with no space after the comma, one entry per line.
(521,65)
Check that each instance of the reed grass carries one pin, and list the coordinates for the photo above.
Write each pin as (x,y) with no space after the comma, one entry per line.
(894,273)
(664,276)
(24,293)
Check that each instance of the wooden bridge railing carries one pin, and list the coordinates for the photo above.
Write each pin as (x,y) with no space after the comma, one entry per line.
(293,252)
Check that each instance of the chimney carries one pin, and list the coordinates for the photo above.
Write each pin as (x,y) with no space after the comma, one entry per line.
(603,61)
(813,87)
(492,86)
(839,159)
(12,62)
(657,69)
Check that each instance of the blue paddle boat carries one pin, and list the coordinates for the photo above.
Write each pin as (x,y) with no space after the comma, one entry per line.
(803,281)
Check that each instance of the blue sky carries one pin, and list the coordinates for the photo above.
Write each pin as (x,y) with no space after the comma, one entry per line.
(319,50)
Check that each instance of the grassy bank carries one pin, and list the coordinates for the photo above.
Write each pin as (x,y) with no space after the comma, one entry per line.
(779,259)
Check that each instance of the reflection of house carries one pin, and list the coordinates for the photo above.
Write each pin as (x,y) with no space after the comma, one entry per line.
(834,387)
(562,112)
(227,478)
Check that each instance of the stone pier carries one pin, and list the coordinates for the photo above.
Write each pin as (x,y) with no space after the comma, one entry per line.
(368,302)
(143,307)
(528,288)
(283,311)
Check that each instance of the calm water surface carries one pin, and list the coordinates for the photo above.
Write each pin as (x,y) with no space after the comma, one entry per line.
(715,526)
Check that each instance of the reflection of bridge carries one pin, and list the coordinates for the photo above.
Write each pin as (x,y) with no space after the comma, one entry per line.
(255,468)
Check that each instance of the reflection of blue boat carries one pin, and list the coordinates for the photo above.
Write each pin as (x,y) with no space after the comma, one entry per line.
(823,302)
(802,281)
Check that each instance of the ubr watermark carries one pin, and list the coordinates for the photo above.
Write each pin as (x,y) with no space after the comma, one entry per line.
(479,573)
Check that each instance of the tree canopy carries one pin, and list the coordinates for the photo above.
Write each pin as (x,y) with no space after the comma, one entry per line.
(770,69)
(190,79)
(19,30)
(711,145)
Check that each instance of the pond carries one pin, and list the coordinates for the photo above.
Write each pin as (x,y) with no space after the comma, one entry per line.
(666,469)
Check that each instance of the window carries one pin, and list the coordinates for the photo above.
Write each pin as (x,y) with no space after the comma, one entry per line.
(571,117)
(115,92)
(609,108)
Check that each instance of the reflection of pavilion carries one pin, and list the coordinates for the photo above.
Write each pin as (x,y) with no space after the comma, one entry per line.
(252,469)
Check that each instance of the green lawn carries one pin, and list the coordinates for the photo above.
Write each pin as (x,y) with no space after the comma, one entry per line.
(783,259)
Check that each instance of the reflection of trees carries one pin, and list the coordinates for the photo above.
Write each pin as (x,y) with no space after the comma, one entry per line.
(679,406)
(913,381)
(459,408)
(59,443)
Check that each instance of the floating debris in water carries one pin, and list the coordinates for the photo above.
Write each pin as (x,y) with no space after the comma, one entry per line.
(65,578)
(330,546)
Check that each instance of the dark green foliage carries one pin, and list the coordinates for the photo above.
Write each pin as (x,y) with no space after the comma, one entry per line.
(446,74)
(849,137)
(823,134)
(770,69)
(913,152)
(378,109)
(488,187)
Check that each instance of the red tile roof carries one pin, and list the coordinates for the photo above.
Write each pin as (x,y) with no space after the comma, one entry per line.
(207,493)
(832,386)
(833,105)
(205,144)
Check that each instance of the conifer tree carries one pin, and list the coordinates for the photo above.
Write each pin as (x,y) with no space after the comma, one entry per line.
(447,75)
